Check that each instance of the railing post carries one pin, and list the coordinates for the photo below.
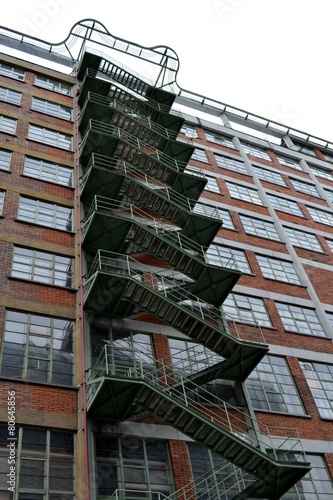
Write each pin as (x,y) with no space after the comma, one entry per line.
(106,359)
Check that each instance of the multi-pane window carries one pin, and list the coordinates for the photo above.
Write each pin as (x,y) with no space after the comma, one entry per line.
(199,155)
(330,243)
(231,164)
(305,187)
(250,149)
(321,216)
(212,184)
(10,96)
(246,309)
(259,227)
(276,269)
(51,108)
(51,137)
(226,218)
(328,157)
(329,194)
(38,348)
(321,172)
(219,139)
(315,485)
(5,158)
(2,199)
(54,85)
(45,214)
(300,319)
(304,149)
(285,205)
(223,256)
(47,171)
(11,72)
(127,345)
(320,379)
(289,162)
(189,130)
(271,387)
(133,464)
(225,480)
(7,125)
(269,176)
(244,193)
(43,267)
(303,239)
(44,464)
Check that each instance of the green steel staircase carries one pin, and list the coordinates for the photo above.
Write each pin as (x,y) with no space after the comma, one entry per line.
(149,204)
(120,286)
(123,228)
(119,384)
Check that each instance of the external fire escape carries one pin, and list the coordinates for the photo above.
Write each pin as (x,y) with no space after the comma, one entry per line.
(139,199)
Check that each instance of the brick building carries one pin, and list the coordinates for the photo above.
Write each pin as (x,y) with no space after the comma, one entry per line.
(166,305)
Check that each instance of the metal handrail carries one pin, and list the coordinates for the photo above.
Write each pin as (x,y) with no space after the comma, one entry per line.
(113,130)
(127,111)
(125,167)
(173,289)
(150,223)
(166,379)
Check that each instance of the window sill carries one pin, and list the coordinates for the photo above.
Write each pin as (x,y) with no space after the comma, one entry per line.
(286,414)
(15,380)
(59,287)
(71,233)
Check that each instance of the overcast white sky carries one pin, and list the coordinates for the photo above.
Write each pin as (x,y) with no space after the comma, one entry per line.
(269,57)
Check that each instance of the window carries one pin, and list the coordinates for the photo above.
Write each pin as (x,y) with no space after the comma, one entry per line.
(5,159)
(2,199)
(231,164)
(280,270)
(303,240)
(289,162)
(45,214)
(226,218)
(199,155)
(124,341)
(54,85)
(271,387)
(330,243)
(11,72)
(316,485)
(226,480)
(328,157)
(47,171)
(212,184)
(285,205)
(321,172)
(269,176)
(259,227)
(246,309)
(223,256)
(51,137)
(302,148)
(300,319)
(42,267)
(133,464)
(329,194)
(250,149)
(51,108)
(189,130)
(244,193)
(44,457)
(7,125)
(219,139)
(321,216)
(38,348)
(319,376)
(305,187)
(10,96)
